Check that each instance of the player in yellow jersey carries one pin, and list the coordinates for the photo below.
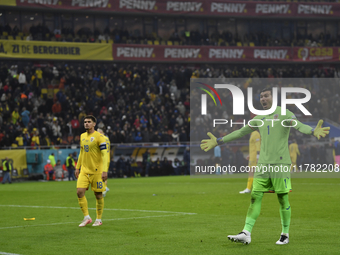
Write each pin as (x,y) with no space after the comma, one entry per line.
(293,152)
(108,157)
(92,163)
(254,154)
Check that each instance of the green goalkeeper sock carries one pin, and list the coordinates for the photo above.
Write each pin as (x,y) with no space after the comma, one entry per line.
(285,212)
(254,210)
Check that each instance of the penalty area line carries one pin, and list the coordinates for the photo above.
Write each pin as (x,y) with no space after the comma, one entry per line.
(105,209)
(62,223)
(6,253)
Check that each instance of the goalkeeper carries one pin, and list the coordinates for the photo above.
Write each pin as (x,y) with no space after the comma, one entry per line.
(274,153)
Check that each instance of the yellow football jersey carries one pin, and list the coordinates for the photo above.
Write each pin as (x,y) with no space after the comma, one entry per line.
(254,145)
(294,149)
(90,150)
(107,140)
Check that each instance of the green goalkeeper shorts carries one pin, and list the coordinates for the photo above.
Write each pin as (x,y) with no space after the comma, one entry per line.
(272,178)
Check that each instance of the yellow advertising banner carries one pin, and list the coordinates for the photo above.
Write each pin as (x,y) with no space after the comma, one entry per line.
(55,50)
(8,2)
(17,158)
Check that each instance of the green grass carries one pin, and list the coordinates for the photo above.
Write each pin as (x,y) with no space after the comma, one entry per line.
(217,211)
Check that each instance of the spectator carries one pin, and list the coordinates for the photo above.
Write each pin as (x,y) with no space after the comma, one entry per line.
(25,117)
(176,165)
(7,169)
(15,116)
(75,126)
(56,108)
(22,78)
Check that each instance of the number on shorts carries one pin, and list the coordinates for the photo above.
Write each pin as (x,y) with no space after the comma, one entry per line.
(99,185)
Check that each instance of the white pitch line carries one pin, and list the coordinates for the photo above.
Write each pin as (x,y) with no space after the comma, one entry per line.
(105,209)
(5,253)
(62,223)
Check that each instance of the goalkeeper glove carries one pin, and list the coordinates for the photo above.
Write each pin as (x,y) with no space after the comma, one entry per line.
(207,145)
(320,131)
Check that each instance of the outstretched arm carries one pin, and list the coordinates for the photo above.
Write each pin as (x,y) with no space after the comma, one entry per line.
(318,131)
(208,144)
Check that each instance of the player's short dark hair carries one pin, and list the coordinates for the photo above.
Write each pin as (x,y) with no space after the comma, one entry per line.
(267,89)
(91,117)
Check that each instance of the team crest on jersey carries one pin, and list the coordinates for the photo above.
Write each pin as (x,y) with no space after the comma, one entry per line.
(92,139)
(276,116)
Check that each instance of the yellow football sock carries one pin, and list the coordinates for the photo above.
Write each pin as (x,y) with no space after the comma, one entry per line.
(83,205)
(100,207)
(250,182)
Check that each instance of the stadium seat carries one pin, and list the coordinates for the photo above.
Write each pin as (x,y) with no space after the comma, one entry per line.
(156,42)
(150,42)
(176,43)
(4,33)
(18,38)
(21,34)
(103,41)
(10,37)
(239,44)
(111,41)
(251,44)
(169,42)
(163,42)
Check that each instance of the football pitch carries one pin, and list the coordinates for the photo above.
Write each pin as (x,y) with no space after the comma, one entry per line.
(166,215)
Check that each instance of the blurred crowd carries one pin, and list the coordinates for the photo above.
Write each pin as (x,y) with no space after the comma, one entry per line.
(45,104)
(41,32)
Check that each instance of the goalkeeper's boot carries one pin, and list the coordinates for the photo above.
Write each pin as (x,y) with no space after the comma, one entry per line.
(245,191)
(242,237)
(85,222)
(284,239)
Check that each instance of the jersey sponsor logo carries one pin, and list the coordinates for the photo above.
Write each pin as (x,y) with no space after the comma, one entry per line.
(86,148)
(92,139)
